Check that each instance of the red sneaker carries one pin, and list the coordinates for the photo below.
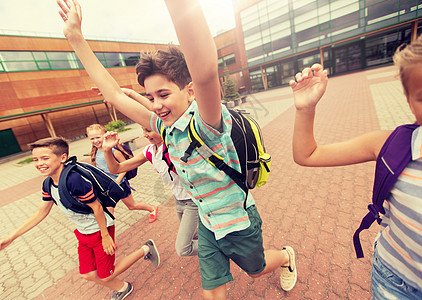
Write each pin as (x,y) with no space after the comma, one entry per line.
(153,214)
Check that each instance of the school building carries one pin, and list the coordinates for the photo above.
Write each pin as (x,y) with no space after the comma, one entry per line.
(277,38)
(46,92)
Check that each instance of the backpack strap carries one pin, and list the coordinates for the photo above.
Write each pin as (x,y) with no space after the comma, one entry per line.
(166,156)
(47,187)
(213,158)
(65,197)
(392,159)
(148,153)
(120,148)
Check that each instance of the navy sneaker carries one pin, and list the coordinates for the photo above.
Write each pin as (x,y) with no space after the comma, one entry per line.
(124,294)
(153,254)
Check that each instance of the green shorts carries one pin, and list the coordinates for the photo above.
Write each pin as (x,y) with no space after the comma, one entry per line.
(243,247)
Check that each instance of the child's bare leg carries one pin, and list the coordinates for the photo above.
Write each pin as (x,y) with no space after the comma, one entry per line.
(219,293)
(132,205)
(127,262)
(285,259)
(274,259)
(113,283)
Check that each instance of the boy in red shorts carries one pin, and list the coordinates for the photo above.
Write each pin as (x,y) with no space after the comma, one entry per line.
(94,231)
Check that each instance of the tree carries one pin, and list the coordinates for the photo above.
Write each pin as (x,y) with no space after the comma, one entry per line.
(229,89)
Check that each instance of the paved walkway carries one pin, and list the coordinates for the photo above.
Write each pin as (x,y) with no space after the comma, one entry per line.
(315,210)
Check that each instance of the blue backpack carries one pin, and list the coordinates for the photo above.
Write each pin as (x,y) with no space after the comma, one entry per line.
(393,158)
(108,191)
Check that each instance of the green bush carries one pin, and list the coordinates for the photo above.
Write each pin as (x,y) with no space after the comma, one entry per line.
(117,126)
(26,161)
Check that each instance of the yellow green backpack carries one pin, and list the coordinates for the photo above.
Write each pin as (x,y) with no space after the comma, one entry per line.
(247,139)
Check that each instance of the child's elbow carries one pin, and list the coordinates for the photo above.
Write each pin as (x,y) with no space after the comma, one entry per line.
(209,71)
(301,161)
(113,172)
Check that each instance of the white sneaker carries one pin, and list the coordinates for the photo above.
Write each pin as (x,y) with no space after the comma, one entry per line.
(288,276)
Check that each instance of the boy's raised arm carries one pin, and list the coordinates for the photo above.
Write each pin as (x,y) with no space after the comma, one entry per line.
(201,56)
(308,89)
(131,94)
(127,165)
(72,17)
(115,167)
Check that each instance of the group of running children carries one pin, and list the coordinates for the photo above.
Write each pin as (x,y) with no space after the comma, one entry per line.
(179,86)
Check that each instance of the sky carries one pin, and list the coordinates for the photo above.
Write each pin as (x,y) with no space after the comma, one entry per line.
(119,20)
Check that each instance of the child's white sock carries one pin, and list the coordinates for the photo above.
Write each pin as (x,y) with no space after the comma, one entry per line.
(125,284)
(146,249)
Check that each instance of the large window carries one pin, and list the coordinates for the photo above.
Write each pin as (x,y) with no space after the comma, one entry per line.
(130,59)
(308,60)
(226,61)
(380,49)
(18,61)
(266,30)
(273,29)
(255,76)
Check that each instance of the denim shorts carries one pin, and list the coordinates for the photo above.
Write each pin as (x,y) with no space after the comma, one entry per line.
(388,286)
(244,247)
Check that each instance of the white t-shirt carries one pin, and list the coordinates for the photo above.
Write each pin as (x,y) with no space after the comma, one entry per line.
(155,155)
(85,223)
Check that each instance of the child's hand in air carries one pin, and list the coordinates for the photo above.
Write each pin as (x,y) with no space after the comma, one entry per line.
(111,140)
(72,16)
(97,90)
(309,87)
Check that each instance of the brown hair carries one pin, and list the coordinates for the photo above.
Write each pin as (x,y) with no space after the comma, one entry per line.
(406,57)
(58,145)
(93,148)
(170,63)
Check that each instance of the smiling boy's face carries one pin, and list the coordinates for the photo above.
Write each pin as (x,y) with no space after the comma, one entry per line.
(47,162)
(169,102)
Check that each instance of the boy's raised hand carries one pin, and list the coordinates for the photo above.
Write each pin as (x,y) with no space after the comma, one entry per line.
(309,87)
(71,13)
(111,140)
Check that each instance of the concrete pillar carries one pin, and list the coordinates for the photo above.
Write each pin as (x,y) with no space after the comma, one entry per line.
(49,125)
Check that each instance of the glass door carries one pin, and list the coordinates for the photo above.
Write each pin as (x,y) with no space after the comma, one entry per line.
(348,58)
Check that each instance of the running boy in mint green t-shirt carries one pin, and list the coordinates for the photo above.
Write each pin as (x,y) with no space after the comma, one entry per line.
(177,89)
